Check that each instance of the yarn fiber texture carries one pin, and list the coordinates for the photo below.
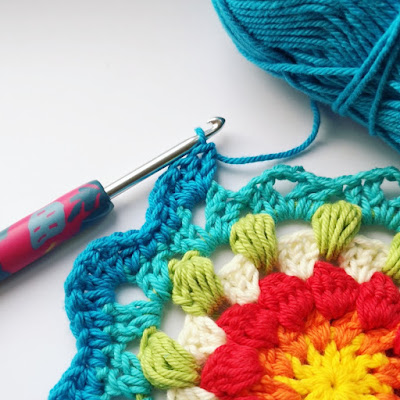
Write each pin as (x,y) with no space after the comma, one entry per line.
(343,53)
(275,322)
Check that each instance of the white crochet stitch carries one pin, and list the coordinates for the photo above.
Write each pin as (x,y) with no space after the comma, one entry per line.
(239,279)
(297,253)
(192,393)
(200,336)
(362,257)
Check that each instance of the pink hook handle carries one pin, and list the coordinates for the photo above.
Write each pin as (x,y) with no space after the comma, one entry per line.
(39,233)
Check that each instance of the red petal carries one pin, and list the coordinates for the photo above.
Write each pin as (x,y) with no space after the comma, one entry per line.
(250,325)
(378,304)
(231,369)
(289,297)
(335,293)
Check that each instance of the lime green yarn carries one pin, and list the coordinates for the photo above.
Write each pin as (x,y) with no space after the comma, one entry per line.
(392,266)
(253,236)
(165,363)
(196,288)
(335,225)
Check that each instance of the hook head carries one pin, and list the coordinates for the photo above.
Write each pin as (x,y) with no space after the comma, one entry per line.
(216,124)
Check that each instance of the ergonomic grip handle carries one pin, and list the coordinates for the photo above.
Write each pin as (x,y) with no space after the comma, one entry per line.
(37,234)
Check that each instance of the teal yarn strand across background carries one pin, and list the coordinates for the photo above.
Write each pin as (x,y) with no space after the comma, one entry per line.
(343,53)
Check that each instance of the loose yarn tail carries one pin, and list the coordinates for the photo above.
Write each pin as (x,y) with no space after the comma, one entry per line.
(284,154)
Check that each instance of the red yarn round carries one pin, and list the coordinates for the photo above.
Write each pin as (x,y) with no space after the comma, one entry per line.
(378,304)
(250,325)
(335,292)
(289,297)
(231,369)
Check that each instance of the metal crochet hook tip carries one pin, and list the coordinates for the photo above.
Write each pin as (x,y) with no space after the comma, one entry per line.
(163,160)
(217,123)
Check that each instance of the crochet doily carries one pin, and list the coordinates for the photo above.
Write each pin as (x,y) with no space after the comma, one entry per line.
(311,315)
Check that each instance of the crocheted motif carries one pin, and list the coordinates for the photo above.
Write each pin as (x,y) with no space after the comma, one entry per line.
(312,315)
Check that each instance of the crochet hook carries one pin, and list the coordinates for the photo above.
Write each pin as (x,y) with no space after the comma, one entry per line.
(39,233)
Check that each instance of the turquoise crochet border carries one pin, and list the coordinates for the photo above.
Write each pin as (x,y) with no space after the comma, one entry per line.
(102,368)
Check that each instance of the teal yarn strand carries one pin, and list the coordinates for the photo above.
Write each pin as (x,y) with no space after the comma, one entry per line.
(343,53)
(284,154)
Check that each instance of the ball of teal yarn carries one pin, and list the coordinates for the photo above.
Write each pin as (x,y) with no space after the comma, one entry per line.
(344,53)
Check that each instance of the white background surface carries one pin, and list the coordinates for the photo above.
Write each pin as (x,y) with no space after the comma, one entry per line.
(92,89)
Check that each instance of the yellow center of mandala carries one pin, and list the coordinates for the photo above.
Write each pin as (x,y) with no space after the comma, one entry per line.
(337,374)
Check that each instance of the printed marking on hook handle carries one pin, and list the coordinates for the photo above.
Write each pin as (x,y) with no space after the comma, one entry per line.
(37,234)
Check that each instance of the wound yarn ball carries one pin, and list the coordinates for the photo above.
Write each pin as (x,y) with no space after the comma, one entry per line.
(341,53)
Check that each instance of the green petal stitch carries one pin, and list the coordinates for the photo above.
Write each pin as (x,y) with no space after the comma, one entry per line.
(165,363)
(196,287)
(254,237)
(392,266)
(335,225)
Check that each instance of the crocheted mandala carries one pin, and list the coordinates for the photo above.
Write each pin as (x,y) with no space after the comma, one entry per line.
(313,315)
